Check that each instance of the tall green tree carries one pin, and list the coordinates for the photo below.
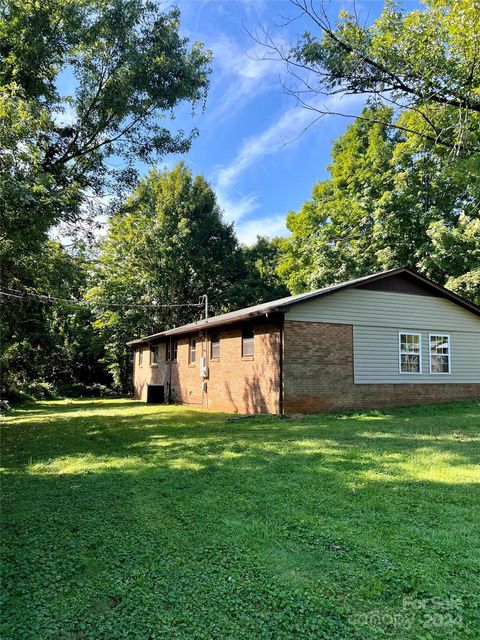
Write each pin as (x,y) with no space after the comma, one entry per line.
(45,336)
(87,89)
(392,200)
(261,281)
(167,245)
(81,82)
(423,61)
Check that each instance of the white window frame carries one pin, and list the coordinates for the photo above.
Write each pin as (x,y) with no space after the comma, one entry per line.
(409,333)
(441,335)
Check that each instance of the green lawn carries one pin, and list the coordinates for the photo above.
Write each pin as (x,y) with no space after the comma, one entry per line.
(125,520)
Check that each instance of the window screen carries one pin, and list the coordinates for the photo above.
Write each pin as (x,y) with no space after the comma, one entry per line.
(410,353)
(247,342)
(215,346)
(439,353)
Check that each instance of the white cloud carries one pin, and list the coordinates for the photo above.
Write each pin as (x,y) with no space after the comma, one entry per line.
(241,76)
(270,141)
(279,135)
(237,207)
(270,227)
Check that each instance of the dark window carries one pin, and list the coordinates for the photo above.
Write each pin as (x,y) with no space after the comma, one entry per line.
(247,342)
(193,350)
(140,356)
(171,350)
(154,354)
(215,349)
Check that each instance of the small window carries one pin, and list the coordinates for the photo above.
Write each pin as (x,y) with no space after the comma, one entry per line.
(410,350)
(247,342)
(140,357)
(439,353)
(171,350)
(193,350)
(154,354)
(215,346)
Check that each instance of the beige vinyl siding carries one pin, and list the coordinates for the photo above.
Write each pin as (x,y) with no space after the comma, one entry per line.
(378,317)
(376,357)
(385,309)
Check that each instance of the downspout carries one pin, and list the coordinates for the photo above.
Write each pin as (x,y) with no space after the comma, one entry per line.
(170,373)
(204,380)
(280,368)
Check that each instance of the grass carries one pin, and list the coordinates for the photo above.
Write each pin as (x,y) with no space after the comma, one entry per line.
(125,520)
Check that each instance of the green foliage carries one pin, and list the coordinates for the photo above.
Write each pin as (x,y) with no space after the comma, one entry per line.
(129,68)
(126,68)
(127,520)
(82,390)
(261,282)
(392,200)
(167,245)
(424,61)
(49,340)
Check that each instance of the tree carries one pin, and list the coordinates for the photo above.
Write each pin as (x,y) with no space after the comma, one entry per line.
(45,336)
(392,200)
(129,68)
(261,282)
(424,62)
(87,89)
(167,245)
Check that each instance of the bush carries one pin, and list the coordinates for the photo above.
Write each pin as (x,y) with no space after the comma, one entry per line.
(4,405)
(40,390)
(29,391)
(80,390)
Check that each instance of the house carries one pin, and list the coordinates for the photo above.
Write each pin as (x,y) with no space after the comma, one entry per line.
(393,338)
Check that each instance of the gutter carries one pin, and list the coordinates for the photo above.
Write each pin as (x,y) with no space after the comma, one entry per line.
(281,404)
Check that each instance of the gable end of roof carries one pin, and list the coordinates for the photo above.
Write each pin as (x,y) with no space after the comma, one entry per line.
(418,282)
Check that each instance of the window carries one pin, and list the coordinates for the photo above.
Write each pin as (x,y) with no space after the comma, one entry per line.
(439,353)
(410,350)
(171,350)
(154,354)
(193,350)
(215,346)
(140,357)
(247,342)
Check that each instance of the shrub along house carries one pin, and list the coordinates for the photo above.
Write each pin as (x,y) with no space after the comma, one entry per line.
(392,338)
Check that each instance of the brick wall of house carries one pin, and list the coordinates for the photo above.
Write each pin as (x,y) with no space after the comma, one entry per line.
(318,375)
(234,384)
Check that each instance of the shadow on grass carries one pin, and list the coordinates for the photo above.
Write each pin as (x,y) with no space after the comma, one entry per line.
(177,523)
(121,429)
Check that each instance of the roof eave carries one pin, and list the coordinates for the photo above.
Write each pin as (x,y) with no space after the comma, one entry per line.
(202,324)
(281,306)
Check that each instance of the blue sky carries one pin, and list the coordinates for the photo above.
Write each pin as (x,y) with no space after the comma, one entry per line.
(250,145)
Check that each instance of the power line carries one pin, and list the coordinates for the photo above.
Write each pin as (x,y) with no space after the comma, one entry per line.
(48,298)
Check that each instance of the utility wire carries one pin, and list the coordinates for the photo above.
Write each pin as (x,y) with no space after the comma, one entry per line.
(48,298)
